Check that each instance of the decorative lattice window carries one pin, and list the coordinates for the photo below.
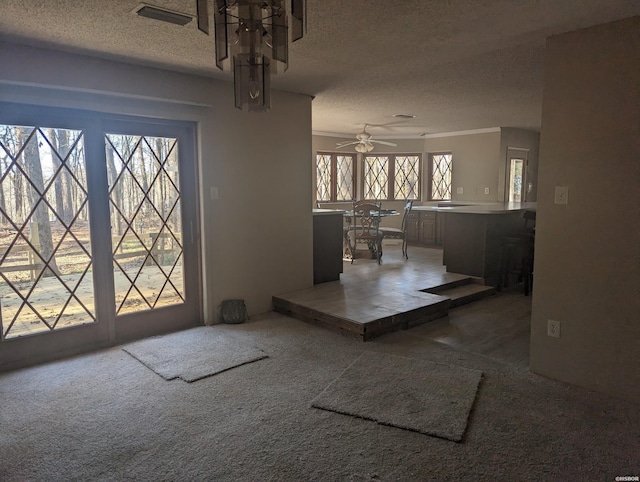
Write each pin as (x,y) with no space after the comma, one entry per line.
(323,177)
(46,263)
(406,177)
(335,177)
(392,177)
(345,178)
(376,177)
(440,176)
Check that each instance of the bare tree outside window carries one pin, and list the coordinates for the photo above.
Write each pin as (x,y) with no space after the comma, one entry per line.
(392,177)
(45,251)
(441,165)
(335,177)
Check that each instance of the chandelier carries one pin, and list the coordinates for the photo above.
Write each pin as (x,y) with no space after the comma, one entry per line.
(252,39)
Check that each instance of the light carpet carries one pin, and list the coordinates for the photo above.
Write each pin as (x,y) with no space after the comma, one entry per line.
(103,417)
(194,354)
(418,395)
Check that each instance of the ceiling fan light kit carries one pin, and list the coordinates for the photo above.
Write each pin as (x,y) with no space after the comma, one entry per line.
(364,142)
(252,39)
(364,147)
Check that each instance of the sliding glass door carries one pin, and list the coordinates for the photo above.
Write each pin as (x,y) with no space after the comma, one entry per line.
(97,238)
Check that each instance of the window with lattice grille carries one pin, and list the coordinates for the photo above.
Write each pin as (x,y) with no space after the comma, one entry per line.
(392,177)
(406,177)
(323,177)
(376,177)
(440,167)
(335,177)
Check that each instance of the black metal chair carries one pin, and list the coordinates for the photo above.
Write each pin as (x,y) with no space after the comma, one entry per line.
(364,229)
(400,233)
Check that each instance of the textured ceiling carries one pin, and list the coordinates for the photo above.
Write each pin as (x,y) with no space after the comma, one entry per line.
(455,65)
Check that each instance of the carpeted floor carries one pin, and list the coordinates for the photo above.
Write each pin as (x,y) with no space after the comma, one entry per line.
(105,416)
(430,398)
(194,354)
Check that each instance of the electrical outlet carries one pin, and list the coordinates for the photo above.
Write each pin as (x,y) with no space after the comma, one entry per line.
(553,328)
(460,190)
(213,191)
(486,190)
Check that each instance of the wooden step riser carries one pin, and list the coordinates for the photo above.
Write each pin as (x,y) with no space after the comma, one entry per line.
(471,298)
(364,331)
(437,290)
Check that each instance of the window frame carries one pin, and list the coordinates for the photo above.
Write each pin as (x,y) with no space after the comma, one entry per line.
(430,180)
(391,168)
(333,181)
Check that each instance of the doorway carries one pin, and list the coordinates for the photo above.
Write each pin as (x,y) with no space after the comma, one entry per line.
(516,174)
(98,239)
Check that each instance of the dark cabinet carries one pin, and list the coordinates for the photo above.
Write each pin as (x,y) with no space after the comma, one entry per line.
(413,227)
(327,247)
(425,228)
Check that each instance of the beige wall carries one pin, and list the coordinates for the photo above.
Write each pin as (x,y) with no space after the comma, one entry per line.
(259,162)
(476,164)
(587,272)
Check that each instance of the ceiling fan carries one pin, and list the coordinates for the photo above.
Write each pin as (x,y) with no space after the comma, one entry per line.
(364,142)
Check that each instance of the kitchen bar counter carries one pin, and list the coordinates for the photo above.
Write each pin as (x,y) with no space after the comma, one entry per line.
(327,245)
(476,207)
(473,235)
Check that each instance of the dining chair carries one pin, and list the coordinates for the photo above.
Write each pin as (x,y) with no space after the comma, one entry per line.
(364,228)
(400,233)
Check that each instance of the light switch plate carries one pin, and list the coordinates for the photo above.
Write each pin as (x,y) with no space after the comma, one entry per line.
(562,195)
(213,191)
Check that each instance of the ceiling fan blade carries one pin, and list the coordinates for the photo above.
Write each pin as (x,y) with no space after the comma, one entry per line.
(384,142)
(342,144)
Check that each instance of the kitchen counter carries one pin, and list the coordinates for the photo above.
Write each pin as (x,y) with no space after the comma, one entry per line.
(473,233)
(477,208)
(326,212)
(327,245)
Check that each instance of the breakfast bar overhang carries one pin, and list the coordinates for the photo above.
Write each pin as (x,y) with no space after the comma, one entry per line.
(473,235)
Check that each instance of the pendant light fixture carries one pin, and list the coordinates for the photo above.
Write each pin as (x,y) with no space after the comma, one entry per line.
(252,39)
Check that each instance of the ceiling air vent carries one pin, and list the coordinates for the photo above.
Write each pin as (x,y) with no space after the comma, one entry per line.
(157,13)
(404,116)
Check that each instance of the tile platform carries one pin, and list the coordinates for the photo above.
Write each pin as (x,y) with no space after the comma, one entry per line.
(370,300)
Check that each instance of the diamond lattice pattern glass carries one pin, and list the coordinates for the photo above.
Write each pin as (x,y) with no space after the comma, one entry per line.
(407,179)
(323,174)
(344,181)
(46,275)
(376,177)
(145,222)
(441,176)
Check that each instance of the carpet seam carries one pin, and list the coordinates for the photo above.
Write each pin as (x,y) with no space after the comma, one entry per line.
(191,380)
(336,378)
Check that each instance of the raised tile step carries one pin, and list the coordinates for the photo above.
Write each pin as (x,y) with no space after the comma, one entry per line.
(384,314)
(461,294)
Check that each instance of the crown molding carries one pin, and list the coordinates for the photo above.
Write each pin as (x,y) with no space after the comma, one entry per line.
(463,133)
(413,136)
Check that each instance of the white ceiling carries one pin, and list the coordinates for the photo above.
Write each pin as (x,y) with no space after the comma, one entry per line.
(454,64)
